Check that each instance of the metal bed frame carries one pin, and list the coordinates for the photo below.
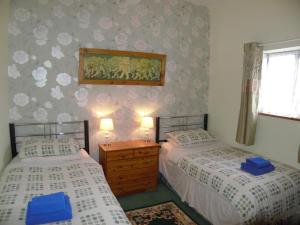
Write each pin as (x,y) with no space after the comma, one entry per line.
(49,129)
(181,123)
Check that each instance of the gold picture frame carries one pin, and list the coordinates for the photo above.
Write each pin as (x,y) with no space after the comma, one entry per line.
(102,66)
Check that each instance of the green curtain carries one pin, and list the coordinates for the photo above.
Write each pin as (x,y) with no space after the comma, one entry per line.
(253,54)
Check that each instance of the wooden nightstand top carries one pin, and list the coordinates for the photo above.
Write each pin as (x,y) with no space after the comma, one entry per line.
(123,145)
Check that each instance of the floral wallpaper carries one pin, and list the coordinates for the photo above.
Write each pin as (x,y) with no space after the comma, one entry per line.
(45,36)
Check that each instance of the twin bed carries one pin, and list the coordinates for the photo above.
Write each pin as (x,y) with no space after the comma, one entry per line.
(206,175)
(78,175)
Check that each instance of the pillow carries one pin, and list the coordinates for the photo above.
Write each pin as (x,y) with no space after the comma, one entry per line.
(53,158)
(45,147)
(190,137)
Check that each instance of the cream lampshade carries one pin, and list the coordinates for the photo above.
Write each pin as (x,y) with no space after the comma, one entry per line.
(147,123)
(107,125)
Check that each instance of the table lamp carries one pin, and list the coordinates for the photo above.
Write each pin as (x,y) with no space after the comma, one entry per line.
(107,125)
(147,123)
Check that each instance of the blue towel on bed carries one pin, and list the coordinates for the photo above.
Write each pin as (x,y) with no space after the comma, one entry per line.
(48,208)
(257,171)
(48,203)
(258,162)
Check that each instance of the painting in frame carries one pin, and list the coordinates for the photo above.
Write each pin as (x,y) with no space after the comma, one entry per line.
(102,66)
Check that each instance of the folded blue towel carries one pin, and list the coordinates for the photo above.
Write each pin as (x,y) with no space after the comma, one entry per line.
(48,203)
(38,213)
(258,162)
(257,171)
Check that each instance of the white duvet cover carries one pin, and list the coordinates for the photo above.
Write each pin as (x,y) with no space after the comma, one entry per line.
(81,178)
(209,179)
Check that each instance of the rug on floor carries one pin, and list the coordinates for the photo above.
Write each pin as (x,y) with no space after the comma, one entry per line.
(167,213)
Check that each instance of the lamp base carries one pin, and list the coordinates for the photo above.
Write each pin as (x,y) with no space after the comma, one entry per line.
(147,135)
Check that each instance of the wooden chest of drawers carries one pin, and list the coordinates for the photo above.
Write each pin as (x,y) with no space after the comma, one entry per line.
(131,166)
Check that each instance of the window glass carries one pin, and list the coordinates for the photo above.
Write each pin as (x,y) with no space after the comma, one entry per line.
(280,84)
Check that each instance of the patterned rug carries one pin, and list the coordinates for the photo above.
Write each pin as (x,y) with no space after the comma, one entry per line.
(167,213)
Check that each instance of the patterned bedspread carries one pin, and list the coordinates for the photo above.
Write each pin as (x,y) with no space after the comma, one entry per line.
(83,180)
(258,199)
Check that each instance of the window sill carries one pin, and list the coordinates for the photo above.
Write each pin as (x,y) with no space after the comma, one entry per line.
(280,117)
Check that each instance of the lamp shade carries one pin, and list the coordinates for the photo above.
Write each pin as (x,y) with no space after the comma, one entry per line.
(106,124)
(147,122)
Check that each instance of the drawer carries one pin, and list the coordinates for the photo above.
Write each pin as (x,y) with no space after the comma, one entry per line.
(127,175)
(132,180)
(128,188)
(117,166)
(119,155)
(145,152)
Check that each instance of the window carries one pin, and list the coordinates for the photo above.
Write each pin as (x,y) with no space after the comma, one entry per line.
(280,84)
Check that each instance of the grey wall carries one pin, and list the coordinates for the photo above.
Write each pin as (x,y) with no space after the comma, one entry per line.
(4,94)
(43,52)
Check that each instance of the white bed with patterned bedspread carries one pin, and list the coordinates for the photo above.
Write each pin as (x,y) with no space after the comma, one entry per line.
(81,179)
(209,178)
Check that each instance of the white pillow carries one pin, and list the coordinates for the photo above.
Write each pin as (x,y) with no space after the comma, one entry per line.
(46,147)
(53,158)
(190,137)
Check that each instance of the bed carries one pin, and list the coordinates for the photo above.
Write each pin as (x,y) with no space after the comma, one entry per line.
(208,177)
(77,175)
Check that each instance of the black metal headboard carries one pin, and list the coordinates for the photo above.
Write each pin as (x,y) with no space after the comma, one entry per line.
(171,123)
(50,129)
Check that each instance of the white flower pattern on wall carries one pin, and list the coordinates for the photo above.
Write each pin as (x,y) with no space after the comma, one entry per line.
(56,52)
(45,37)
(83,17)
(13,71)
(20,57)
(14,29)
(105,23)
(64,117)
(140,45)
(40,115)
(21,99)
(82,97)
(40,76)
(48,64)
(14,114)
(63,79)
(58,12)
(57,93)
(135,21)
(22,14)
(98,36)
(40,33)
(121,38)
(48,105)
(64,39)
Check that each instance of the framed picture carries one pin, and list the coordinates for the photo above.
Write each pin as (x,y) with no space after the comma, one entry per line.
(100,66)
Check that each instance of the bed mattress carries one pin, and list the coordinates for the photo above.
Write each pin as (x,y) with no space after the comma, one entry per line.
(82,179)
(209,179)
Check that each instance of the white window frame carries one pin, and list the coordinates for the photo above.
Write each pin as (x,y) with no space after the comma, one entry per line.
(283,50)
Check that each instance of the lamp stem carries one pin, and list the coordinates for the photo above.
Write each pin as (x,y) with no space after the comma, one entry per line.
(147,135)
(106,137)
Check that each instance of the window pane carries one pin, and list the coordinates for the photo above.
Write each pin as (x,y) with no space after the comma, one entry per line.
(278,84)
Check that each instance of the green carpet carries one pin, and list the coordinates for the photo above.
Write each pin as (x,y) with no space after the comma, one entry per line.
(162,194)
